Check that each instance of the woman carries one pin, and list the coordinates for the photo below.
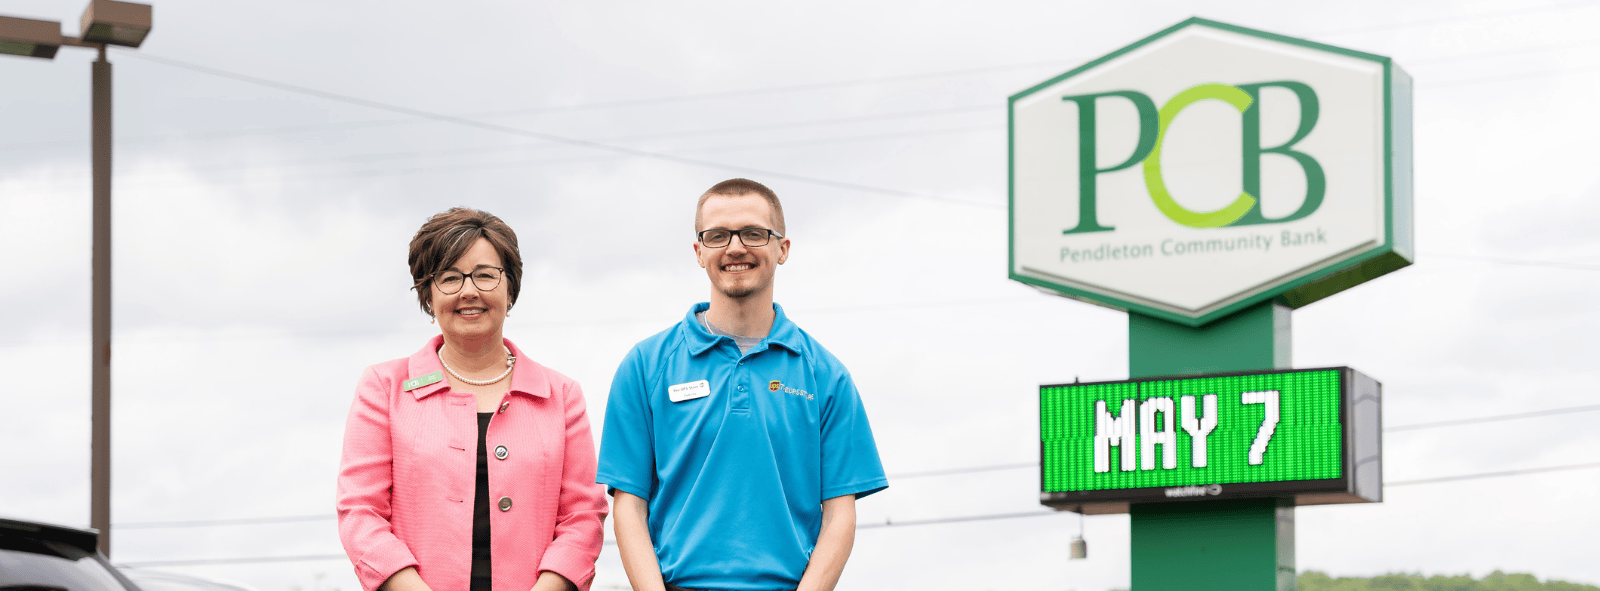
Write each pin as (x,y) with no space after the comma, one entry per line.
(427,503)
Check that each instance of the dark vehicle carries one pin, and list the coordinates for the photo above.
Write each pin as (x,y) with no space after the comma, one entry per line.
(43,557)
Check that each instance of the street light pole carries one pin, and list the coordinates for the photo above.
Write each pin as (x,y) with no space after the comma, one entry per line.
(104,22)
(100,288)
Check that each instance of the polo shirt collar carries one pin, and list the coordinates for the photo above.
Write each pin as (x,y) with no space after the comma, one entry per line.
(783,334)
(526,378)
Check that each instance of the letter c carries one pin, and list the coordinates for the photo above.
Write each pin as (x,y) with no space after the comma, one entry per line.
(1232,95)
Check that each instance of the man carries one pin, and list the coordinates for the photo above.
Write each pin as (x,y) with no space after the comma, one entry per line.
(735,445)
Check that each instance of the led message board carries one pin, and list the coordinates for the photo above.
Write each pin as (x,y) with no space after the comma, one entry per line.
(1310,435)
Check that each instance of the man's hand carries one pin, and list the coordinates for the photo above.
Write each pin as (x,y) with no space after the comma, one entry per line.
(631,522)
(834,542)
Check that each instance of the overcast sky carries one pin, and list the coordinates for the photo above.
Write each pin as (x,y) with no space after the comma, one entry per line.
(261,230)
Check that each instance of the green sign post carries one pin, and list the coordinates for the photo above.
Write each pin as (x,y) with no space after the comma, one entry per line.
(1207,180)
(1228,545)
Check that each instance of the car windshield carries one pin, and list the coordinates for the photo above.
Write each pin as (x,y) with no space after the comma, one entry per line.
(41,565)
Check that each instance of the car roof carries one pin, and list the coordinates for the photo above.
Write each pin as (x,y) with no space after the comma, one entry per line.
(84,539)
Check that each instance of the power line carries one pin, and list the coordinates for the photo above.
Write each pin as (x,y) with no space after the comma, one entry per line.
(840,83)
(379,156)
(1509,261)
(1491,419)
(995,106)
(548,136)
(991,517)
(681,159)
(213,522)
(817,85)
(569,159)
(781,89)
(890,522)
(545,324)
(137,182)
(1412,427)
(323,517)
(994,468)
(887,522)
(1498,53)
(715,131)
(574,107)
(1460,18)
(246,560)
(1493,474)
(1501,260)
(1503,77)
(691,161)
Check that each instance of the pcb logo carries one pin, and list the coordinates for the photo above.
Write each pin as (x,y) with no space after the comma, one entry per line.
(774,385)
(1152,132)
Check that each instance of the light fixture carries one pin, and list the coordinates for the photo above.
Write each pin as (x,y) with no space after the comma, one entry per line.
(29,38)
(116,23)
(1080,548)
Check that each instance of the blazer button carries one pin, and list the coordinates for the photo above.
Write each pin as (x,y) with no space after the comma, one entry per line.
(501,452)
(505,503)
(504,405)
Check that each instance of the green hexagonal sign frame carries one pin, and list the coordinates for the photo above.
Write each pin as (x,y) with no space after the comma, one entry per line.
(1120,196)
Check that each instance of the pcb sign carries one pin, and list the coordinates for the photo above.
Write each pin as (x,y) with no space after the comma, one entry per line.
(1311,435)
(1208,168)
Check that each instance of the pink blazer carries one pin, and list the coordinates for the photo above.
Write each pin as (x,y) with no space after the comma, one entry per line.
(407,478)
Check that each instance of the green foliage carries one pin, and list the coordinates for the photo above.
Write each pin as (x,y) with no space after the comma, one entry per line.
(1495,581)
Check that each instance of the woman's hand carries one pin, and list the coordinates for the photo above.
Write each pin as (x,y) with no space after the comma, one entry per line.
(549,581)
(406,580)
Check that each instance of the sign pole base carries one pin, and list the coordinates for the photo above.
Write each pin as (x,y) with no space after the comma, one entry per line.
(1231,545)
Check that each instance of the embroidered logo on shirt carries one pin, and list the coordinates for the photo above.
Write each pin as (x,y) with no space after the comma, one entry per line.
(776,385)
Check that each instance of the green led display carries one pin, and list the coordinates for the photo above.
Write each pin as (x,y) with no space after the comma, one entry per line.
(1269,427)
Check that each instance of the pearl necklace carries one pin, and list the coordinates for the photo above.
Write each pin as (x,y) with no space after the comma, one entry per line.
(510,361)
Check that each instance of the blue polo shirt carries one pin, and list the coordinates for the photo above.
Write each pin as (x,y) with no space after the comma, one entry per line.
(735,453)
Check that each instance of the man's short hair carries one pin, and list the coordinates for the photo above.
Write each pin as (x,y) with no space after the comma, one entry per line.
(740,188)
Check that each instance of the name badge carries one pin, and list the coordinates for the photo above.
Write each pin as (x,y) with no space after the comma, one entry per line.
(418,382)
(689,391)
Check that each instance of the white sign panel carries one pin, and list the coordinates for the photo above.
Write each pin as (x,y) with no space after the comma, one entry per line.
(1208,168)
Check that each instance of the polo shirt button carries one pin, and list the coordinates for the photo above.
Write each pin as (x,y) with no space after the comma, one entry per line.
(501,452)
(741,388)
(505,503)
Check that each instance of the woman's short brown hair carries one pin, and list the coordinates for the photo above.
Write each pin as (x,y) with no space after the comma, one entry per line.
(446,236)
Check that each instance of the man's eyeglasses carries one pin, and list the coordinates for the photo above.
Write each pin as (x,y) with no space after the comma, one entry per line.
(484,278)
(718,237)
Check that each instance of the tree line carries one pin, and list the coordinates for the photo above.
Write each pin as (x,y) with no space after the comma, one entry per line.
(1495,581)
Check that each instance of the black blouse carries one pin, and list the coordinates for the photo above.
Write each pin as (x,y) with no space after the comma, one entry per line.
(480,510)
